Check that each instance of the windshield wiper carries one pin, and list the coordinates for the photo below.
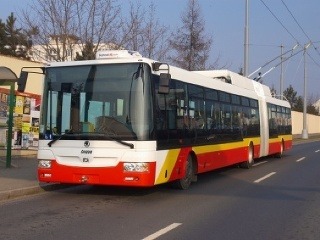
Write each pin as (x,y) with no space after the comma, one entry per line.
(58,138)
(92,134)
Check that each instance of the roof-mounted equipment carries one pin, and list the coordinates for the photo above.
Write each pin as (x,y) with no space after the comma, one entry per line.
(113,54)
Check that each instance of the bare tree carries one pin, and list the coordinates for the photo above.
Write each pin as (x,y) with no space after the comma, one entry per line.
(57,26)
(190,43)
(132,28)
(143,32)
(62,24)
(155,37)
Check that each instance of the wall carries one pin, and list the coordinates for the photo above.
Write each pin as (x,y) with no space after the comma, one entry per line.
(35,82)
(313,123)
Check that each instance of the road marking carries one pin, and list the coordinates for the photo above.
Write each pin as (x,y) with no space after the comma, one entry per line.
(300,159)
(162,231)
(317,151)
(265,177)
(259,163)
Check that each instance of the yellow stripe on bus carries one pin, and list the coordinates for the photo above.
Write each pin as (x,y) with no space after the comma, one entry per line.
(168,166)
(172,155)
(279,138)
(286,137)
(226,146)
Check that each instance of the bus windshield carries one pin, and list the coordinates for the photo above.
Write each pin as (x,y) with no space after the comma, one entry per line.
(97,102)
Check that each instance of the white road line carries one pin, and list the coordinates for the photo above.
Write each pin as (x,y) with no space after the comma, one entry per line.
(265,177)
(162,231)
(300,159)
(317,151)
(259,163)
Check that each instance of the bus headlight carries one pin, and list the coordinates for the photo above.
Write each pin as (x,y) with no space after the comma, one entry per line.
(44,164)
(135,167)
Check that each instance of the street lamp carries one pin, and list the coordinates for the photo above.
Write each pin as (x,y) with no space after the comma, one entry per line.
(305,130)
(246,41)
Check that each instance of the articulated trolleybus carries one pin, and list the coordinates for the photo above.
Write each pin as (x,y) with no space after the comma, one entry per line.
(125,120)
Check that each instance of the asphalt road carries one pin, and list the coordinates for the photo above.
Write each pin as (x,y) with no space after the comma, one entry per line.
(276,199)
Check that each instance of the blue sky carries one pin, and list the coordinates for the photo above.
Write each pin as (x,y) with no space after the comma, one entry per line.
(225,23)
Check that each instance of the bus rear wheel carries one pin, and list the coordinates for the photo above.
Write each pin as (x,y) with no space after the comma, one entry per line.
(280,154)
(189,176)
(248,164)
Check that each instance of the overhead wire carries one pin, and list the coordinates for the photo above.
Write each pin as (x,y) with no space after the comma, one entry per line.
(311,42)
(317,50)
(314,61)
(279,21)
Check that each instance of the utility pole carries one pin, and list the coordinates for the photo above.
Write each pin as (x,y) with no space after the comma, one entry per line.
(305,130)
(246,41)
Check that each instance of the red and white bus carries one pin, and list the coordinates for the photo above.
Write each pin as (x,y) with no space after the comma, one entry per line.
(125,120)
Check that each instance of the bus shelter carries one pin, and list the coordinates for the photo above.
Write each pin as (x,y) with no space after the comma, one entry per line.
(9,78)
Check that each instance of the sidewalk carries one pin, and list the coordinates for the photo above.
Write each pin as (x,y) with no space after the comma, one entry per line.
(21,178)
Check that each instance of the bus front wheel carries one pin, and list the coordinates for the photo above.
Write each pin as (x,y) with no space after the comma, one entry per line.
(189,176)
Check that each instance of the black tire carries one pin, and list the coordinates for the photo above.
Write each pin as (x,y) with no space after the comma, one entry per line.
(280,154)
(185,182)
(248,164)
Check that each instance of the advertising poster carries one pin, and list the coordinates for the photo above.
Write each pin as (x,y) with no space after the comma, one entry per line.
(19,105)
(3,119)
(25,131)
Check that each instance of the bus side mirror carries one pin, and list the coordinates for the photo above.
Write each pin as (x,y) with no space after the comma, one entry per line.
(22,81)
(164,83)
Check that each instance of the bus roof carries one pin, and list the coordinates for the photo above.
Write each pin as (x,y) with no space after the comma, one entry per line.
(244,83)
(223,80)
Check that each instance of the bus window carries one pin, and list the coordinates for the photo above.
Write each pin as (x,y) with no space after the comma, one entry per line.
(226,118)
(216,125)
(181,106)
(196,107)
(272,115)
(254,122)
(210,97)
(236,115)
(224,97)
(211,94)
(235,99)
(245,101)
(245,120)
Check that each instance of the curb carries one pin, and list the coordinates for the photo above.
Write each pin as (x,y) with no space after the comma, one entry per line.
(301,141)
(16,193)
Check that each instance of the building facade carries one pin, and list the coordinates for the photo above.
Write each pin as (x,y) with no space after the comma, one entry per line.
(62,50)
(27,106)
